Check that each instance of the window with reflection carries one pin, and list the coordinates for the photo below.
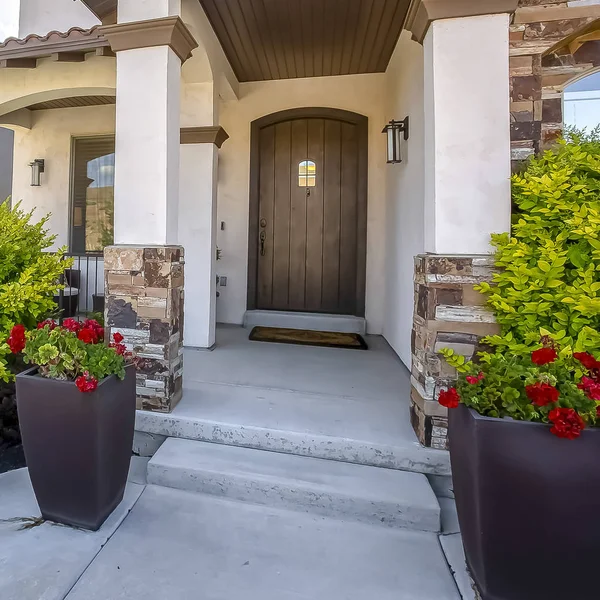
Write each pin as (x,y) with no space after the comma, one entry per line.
(92,202)
(307,174)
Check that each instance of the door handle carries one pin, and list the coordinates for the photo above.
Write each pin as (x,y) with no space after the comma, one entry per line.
(263,239)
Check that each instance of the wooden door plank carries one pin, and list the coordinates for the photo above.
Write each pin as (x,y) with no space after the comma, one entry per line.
(266,212)
(349,219)
(331,216)
(314,219)
(298,217)
(281,217)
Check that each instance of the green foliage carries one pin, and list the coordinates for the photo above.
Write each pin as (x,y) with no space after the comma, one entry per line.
(60,354)
(548,268)
(499,382)
(28,276)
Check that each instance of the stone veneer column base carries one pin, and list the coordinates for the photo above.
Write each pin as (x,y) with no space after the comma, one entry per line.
(449,313)
(144,303)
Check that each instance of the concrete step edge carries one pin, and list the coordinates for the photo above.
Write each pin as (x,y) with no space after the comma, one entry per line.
(175,466)
(413,458)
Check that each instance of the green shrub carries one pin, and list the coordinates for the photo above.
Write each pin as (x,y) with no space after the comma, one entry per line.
(548,277)
(28,276)
(546,297)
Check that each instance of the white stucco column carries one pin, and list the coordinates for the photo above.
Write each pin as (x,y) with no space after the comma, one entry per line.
(201,139)
(467,133)
(151,42)
(147,146)
(198,235)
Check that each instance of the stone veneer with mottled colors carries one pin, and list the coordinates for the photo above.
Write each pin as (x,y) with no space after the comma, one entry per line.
(144,302)
(449,313)
(552,42)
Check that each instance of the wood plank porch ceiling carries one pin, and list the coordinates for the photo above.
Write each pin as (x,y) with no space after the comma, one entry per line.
(282,39)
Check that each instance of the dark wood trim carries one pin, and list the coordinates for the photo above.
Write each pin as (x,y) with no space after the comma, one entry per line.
(204,135)
(167,31)
(18,63)
(421,13)
(362,124)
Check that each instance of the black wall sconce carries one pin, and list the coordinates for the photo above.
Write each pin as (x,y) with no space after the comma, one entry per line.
(37,168)
(395,131)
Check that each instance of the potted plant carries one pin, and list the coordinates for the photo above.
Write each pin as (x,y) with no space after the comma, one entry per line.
(524,418)
(76,408)
(524,449)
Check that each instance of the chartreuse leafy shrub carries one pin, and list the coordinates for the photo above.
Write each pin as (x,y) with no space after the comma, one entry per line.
(549,266)
(29,277)
(546,297)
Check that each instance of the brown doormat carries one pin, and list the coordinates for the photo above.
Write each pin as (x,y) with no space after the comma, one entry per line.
(329,339)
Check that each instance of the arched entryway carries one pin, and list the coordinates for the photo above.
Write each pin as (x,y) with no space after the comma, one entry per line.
(308,212)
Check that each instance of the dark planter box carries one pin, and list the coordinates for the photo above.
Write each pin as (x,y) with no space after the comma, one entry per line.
(77,445)
(529,507)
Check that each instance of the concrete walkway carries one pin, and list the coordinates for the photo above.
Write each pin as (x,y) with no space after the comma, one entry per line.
(164,544)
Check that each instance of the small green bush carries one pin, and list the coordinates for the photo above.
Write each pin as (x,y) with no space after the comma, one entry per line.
(548,279)
(29,277)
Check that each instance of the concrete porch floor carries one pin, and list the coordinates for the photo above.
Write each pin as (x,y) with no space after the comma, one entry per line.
(338,404)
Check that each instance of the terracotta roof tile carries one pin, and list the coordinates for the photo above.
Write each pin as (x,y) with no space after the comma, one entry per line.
(35,46)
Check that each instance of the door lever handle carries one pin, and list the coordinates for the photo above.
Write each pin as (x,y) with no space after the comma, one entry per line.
(263,239)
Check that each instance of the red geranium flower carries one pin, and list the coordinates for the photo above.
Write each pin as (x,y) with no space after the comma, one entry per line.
(85,383)
(95,327)
(449,398)
(542,394)
(567,423)
(472,379)
(87,336)
(587,360)
(544,356)
(16,339)
(118,338)
(590,387)
(71,325)
(47,323)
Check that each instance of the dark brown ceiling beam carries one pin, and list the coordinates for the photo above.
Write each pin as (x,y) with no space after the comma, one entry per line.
(18,63)
(68,57)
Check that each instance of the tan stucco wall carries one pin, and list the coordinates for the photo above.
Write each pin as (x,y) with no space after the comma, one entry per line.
(51,80)
(405,219)
(50,139)
(363,94)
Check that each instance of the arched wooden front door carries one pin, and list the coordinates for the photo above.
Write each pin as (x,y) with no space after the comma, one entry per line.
(308,212)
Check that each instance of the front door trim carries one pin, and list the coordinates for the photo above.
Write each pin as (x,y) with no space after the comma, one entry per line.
(362,124)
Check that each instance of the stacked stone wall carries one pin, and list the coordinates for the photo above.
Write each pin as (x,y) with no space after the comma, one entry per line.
(144,303)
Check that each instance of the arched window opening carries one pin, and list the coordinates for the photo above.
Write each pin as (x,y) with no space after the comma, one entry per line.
(582,103)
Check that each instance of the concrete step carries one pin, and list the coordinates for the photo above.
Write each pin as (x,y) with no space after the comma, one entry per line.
(366,431)
(328,488)
(300,320)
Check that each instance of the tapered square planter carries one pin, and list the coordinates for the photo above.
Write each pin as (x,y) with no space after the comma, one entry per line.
(529,507)
(77,445)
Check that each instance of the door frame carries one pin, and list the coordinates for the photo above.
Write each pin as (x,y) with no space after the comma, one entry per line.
(362,124)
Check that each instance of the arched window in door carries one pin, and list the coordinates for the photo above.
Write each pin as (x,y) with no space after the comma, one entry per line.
(307,173)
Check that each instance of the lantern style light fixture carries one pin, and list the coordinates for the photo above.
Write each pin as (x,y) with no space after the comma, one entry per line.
(396,131)
(37,168)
